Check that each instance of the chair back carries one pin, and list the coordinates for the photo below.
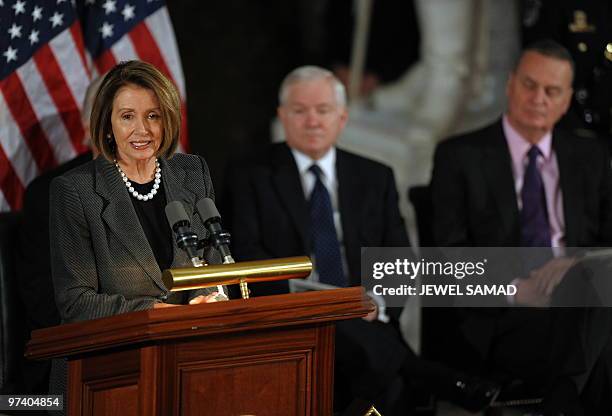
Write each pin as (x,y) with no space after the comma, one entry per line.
(420,198)
(12,316)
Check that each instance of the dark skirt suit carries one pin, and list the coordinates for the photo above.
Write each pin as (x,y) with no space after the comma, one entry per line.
(102,262)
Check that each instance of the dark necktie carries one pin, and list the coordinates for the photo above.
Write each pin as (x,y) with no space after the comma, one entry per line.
(325,245)
(535,228)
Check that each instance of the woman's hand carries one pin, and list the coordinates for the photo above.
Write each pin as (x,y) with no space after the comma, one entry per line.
(207,299)
(164,305)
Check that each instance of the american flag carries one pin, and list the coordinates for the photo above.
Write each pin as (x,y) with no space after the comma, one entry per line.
(49,52)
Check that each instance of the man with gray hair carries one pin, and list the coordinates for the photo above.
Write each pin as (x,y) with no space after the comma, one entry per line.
(307,197)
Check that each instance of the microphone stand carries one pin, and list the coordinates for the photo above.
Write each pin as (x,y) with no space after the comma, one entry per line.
(220,240)
(199,262)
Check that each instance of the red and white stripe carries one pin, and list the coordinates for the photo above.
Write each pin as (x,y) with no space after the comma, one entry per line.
(160,26)
(40,121)
(123,50)
(16,167)
(46,112)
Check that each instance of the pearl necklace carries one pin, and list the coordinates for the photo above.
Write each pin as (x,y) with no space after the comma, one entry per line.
(131,189)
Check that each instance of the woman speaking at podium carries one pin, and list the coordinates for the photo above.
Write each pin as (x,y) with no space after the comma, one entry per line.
(110,239)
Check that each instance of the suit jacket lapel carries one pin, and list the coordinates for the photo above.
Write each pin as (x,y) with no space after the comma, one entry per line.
(350,200)
(569,181)
(120,217)
(287,180)
(497,166)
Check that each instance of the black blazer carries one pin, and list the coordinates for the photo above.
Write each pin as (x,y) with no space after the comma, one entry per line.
(475,205)
(101,260)
(475,202)
(268,213)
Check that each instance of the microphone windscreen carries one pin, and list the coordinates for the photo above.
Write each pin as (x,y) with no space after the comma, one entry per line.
(175,213)
(207,209)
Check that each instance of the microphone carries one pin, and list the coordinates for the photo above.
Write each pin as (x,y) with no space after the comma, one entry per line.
(219,238)
(186,239)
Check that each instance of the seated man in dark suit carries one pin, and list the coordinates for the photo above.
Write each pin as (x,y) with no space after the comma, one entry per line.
(306,197)
(522,182)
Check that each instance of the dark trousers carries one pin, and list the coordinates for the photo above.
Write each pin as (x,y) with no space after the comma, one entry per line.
(369,358)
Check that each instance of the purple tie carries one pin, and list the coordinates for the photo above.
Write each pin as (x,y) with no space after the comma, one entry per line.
(535,228)
(325,245)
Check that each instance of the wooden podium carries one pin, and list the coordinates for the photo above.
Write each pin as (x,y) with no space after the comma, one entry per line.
(262,356)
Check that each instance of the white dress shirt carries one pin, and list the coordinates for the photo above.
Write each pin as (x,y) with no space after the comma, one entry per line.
(329,178)
(328,168)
